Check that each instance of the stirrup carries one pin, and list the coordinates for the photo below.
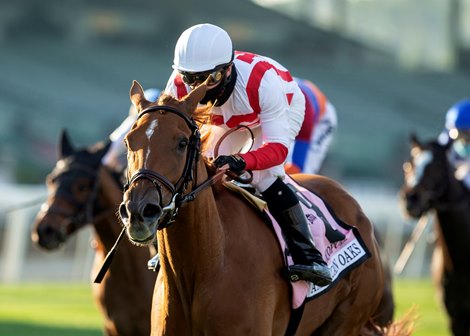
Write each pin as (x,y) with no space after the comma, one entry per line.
(319,277)
(154,263)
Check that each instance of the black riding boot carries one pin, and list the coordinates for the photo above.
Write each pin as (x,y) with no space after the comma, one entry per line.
(309,263)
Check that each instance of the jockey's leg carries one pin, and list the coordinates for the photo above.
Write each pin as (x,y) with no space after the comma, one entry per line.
(285,207)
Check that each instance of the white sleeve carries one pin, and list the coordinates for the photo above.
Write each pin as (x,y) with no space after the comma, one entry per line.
(274,115)
(120,132)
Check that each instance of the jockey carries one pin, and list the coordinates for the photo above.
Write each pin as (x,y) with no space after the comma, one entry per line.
(116,155)
(308,152)
(257,92)
(458,129)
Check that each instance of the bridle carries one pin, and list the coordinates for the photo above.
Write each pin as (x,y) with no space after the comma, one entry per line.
(435,198)
(189,173)
(85,211)
(178,189)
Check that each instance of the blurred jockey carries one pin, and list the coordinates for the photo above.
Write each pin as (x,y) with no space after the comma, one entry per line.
(457,129)
(257,92)
(308,152)
(117,155)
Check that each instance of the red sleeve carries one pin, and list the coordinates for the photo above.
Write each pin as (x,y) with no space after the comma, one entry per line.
(267,156)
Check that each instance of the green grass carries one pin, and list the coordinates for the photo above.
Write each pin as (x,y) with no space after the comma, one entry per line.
(68,309)
(421,295)
(48,310)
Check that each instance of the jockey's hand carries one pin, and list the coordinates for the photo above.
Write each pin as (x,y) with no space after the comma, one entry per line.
(235,162)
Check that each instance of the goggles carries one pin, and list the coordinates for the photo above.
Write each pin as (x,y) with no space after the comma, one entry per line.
(214,76)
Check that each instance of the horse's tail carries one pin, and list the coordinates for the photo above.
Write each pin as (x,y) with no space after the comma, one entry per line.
(405,326)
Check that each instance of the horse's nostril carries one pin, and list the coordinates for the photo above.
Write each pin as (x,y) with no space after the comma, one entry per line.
(411,198)
(152,211)
(47,231)
(123,211)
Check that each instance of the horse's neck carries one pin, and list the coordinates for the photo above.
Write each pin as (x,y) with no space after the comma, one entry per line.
(197,228)
(456,192)
(454,221)
(194,243)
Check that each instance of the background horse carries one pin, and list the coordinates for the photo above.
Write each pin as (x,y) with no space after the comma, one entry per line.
(220,262)
(430,184)
(82,191)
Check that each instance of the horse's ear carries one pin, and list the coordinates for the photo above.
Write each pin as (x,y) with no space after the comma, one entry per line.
(137,95)
(102,151)
(65,146)
(98,151)
(414,141)
(195,96)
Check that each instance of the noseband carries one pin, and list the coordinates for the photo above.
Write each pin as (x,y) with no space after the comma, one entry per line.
(177,190)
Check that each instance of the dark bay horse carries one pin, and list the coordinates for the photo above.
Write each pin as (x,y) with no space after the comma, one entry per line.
(220,261)
(430,185)
(82,191)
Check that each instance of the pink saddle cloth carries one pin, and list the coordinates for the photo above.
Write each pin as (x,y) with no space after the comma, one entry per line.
(341,256)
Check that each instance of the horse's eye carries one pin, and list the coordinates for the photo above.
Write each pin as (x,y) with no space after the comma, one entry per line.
(82,187)
(183,144)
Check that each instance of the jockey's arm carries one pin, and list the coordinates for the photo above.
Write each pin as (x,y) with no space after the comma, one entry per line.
(275,125)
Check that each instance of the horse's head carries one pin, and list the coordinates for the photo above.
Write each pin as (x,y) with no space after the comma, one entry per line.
(72,187)
(426,176)
(163,147)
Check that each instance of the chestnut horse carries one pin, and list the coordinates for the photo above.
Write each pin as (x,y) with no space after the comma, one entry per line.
(430,184)
(82,191)
(220,262)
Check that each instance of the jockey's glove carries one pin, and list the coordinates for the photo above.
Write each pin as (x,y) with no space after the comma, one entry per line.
(235,162)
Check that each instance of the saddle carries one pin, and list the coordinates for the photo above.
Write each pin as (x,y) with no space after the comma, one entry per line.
(341,246)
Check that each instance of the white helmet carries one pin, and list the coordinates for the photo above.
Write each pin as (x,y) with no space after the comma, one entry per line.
(202,48)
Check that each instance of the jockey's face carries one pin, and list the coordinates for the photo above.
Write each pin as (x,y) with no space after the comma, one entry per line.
(461,142)
(193,79)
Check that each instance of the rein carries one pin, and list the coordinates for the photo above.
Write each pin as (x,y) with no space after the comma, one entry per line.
(233,130)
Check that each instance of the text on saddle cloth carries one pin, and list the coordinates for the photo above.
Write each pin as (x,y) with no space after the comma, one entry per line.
(340,244)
